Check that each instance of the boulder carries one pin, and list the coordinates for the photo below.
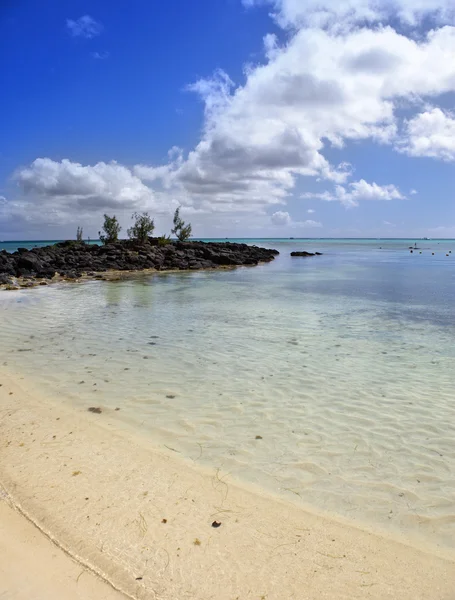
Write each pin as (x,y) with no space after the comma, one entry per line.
(30,262)
(304,253)
(5,280)
(70,259)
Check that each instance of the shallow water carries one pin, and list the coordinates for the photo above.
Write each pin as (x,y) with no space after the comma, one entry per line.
(328,380)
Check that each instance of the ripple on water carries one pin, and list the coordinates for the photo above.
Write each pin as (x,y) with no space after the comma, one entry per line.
(327,402)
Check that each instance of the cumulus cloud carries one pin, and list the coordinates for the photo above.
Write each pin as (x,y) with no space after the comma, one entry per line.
(54,191)
(321,88)
(85,26)
(311,211)
(357,191)
(103,184)
(295,13)
(327,85)
(281,218)
(284,219)
(430,133)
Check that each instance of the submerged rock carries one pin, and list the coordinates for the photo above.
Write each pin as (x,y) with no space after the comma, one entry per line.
(304,253)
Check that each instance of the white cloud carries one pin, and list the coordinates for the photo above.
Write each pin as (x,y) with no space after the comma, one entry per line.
(327,85)
(357,191)
(320,88)
(413,192)
(311,211)
(389,224)
(85,26)
(281,218)
(310,223)
(296,13)
(100,55)
(430,133)
(109,184)
(284,219)
(57,190)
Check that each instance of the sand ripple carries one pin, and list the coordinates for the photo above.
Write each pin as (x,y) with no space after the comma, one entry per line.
(335,405)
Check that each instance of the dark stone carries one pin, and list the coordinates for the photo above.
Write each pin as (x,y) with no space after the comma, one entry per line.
(30,262)
(72,259)
(304,253)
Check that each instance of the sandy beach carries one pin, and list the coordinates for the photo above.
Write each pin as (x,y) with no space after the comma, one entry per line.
(142,520)
(32,567)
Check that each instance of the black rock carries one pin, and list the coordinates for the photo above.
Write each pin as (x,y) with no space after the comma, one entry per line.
(30,262)
(5,280)
(72,259)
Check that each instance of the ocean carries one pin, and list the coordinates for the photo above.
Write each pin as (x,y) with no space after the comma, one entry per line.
(327,381)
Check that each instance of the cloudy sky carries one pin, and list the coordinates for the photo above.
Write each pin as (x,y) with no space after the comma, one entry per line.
(260,118)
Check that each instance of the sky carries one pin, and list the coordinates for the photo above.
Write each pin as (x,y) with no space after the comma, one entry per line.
(260,118)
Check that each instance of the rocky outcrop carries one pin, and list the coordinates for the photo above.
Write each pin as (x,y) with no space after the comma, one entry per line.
(303,253)
(71,259)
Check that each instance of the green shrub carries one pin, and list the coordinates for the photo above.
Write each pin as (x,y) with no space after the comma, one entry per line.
(164,240)
(111,228)
(181,231)
(142,229)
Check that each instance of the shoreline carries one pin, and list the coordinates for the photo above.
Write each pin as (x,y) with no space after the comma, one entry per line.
(73,261)
(104,494)
(19,283)
(50,574)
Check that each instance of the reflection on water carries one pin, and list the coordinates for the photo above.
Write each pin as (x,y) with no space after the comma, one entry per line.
(341,364)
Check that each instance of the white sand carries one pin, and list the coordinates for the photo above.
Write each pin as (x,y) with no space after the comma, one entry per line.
(103,495)
(33,568)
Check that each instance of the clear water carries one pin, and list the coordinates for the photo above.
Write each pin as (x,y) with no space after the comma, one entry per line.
(343,364)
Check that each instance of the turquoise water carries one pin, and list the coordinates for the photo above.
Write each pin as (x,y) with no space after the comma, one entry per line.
(12,246)
(342,364)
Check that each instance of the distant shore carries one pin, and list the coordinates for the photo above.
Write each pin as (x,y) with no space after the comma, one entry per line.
(78,261)
(155,525)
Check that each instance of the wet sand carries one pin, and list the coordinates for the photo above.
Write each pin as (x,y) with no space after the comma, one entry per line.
(33,568)
(142,520)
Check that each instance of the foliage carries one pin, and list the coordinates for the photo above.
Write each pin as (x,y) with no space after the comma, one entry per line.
(79,234)
(142,229)
(181,230)
(164,240)
(111,228)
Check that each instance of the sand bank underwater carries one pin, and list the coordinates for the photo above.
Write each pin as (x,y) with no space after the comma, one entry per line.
(142,519)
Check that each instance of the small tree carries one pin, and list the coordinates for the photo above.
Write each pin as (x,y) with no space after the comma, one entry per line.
(79,234)
(164,240)
(181,231)
(142,229)
(111,228)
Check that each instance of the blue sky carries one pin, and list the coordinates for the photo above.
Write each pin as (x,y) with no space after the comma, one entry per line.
(259,119)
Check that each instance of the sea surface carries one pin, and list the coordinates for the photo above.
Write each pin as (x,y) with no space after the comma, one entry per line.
(329,380)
